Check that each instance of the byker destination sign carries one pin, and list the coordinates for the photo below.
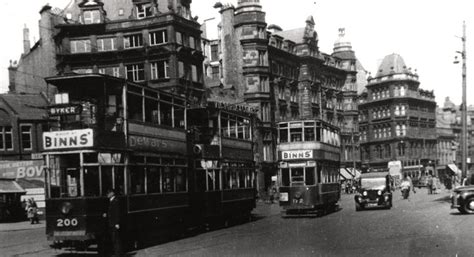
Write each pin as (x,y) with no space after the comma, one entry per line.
(68,139)
(297,154)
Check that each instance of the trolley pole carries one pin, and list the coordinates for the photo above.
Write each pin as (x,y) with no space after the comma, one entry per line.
(464,107)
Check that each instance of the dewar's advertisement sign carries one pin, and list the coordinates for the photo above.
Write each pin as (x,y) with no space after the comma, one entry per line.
(68,139)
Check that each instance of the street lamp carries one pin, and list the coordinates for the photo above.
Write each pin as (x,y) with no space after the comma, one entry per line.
(463,105)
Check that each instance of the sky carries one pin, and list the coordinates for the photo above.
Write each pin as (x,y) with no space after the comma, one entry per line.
(425,33)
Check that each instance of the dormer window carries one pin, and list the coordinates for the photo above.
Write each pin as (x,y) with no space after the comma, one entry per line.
(91,17)
(143,10)
(92,12)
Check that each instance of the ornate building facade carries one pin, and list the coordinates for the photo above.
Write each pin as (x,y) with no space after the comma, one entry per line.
(283,74)
(397,119)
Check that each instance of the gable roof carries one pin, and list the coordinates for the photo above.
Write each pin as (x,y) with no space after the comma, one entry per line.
(26,106)
(295,35)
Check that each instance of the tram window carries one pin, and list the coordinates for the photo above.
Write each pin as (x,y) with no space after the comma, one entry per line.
(137,180)
(119,179)
(309,134)
(283,135)
(168,180)
(248,178)
(319,171)
(241,178)
(295,134)
(180,180)
(233,124)
(211,180)
(240,128)
(135,108)
(297,175)
(91,181)
(178,117)
(234,179)
(217,174)
(318,134)
(309,176)
(137,159)
(285,177)
(166,114)
(90,158)
(224,125)
(106,179)
(72,183)
(151,110)
(225,178)
(153,180)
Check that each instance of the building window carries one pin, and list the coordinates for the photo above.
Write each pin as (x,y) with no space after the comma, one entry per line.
(121,12)
(267,152)
(194,73)
(111,71)
(214,52)
(133,41)
(181,69)
(293,95)
(6,138)
(179,38)
(106,44)
(159,70)
(26,143)
(215,72)
(91,17)
(80,46)
(135,72)
(264,85)
(143,10)
(158,37)
(192,42)
(265,112)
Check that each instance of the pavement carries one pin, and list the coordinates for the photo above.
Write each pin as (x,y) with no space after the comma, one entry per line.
(21,225)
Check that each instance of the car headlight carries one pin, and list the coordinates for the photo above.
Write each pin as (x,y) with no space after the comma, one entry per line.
(379,192)
(364,193)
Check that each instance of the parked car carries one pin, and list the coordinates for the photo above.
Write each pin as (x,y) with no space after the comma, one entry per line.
(462,198)
(374,191)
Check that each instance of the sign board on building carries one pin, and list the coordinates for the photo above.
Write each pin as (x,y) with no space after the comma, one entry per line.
(68,139)
(59,110)
(156,144)
(297,154)
(22,169)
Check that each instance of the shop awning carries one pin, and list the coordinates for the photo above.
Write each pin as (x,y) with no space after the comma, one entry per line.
(345,174)
(10,186)
(454,168)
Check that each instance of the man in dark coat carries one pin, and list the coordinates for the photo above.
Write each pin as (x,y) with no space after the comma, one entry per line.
(114,220)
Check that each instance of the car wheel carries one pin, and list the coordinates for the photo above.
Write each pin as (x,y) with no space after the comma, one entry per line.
(358,207)
(468,206)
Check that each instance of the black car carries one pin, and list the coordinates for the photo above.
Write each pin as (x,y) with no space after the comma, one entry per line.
(463,199)
(374,191)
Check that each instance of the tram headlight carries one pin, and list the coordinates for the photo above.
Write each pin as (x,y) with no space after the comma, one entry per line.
(66,207)
(379,192)
(364,193)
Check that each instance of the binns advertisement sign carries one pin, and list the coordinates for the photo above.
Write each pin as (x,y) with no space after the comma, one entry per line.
(68,139)
(33,169)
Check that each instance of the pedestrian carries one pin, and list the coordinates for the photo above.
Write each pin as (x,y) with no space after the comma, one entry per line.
(429,183)
(32,211)
(114,222)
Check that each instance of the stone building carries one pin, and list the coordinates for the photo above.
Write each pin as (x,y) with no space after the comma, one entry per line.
(153,42)
(282,73)
(397,119)
(449,123)
(353,86)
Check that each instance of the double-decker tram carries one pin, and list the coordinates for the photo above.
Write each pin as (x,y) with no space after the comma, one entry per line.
(223,147)
(115,134)
(308,170)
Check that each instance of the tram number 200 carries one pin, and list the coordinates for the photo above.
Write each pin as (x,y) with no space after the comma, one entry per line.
(66,222)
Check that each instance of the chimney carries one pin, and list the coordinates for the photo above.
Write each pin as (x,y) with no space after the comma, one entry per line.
(11,76)
(26,40)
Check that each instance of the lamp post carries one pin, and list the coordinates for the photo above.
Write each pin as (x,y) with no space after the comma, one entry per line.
(463,105)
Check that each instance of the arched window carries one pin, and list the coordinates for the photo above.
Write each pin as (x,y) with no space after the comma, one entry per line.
(402,91)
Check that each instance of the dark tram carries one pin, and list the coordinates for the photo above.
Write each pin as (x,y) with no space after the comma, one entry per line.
(308,172)
(175,167)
